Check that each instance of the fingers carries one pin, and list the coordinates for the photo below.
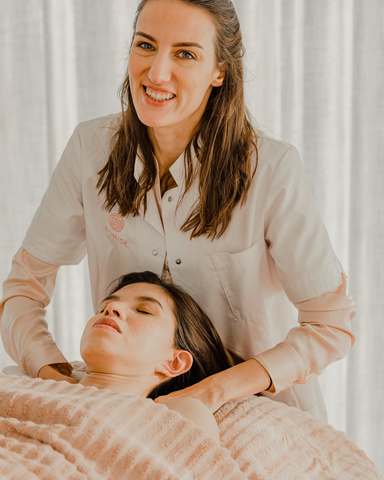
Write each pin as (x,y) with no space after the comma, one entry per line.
(64,368)
(51,373)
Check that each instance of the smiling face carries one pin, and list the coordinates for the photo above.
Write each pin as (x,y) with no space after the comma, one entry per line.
(132,332)
(173,55)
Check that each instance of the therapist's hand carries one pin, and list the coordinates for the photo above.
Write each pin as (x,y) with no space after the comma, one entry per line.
(59,372)
(240,381)
(207,391)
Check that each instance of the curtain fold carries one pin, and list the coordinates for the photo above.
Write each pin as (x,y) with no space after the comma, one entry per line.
(314,78)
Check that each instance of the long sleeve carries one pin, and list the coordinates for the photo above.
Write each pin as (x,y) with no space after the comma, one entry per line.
(323,337)
(26,291)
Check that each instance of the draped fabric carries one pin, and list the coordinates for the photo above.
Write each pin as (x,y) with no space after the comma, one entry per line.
(314,78)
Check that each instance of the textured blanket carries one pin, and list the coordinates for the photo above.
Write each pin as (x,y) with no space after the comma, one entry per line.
(56,430)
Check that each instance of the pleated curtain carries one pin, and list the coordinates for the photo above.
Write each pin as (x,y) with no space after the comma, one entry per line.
(314,78)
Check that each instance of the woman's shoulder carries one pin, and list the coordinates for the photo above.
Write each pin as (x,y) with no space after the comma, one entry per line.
(99,127)
(271,151)
(268,144)
(196,411)
(95,134)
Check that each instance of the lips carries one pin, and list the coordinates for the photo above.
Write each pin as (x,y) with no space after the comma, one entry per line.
(108,321)
(158,90)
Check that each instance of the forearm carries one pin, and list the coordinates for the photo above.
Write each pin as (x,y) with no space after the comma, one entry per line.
(323,337)
(26,291)
(25,335)
(242,380)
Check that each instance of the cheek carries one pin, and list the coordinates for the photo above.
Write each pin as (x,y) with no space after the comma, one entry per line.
(86,330)
(136,67)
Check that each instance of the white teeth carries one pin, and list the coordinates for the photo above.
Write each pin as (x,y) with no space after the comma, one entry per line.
(159,97)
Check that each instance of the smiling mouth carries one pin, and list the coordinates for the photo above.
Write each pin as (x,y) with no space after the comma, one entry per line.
(158,97)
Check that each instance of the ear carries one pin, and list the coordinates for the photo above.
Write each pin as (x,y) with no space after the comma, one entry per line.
(180,363)
(219,79)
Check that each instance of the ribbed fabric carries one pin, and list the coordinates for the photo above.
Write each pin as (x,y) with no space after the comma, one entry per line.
(57,430)
(271,440)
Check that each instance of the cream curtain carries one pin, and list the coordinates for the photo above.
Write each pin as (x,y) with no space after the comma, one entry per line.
(315,78)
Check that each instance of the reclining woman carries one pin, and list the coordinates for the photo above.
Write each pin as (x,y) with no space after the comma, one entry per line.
(150,338)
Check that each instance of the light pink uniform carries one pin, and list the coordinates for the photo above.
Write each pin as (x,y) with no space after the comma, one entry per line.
(275,252)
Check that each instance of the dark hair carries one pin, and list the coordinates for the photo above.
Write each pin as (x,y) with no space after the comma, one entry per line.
(224,140)
(194,333)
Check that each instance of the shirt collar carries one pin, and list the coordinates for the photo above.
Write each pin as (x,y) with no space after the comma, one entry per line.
(176,169)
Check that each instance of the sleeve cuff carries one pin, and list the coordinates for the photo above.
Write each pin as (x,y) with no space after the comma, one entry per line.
(43,354)
(284,365)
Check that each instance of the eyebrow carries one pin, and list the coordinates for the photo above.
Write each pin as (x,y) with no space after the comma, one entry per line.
(140,299)
(180,44)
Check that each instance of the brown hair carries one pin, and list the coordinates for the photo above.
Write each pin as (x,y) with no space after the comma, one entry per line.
(224,140)
(194,333)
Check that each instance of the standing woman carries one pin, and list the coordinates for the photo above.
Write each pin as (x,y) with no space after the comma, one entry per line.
(182,184)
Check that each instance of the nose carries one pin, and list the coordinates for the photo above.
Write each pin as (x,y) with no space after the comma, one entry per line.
(160,70)
(115,309)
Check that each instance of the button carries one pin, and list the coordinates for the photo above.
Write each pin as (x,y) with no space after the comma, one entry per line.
(154,253)
(170,199)
(178,261)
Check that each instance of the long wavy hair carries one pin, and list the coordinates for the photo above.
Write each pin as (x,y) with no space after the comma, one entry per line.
(224,140)
(194,333)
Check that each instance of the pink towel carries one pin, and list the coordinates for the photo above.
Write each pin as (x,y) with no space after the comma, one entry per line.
(56,430)
(271,440)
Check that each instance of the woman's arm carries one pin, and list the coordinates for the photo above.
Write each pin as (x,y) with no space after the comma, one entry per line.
(26,291)
(324,336)
(196,411)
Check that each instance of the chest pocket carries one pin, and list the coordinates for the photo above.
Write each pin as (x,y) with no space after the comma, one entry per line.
(245,280)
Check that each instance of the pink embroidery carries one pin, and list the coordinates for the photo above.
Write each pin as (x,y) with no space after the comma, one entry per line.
(116,221)
(118,239)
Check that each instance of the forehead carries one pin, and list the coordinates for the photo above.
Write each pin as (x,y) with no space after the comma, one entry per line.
(176,21)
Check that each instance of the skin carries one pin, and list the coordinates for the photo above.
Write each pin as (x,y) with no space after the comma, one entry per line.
(142,355)
(188,72)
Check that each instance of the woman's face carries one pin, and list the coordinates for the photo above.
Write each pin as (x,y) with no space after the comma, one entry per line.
(132,332)
(173,52)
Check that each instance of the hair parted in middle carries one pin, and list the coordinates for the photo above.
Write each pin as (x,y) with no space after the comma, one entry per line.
(224,140)
(194,333)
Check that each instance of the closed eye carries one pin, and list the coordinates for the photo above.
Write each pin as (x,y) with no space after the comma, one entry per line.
(143,311)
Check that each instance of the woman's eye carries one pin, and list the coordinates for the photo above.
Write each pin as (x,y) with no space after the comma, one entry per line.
(143,311)
(144,43)
(187,53)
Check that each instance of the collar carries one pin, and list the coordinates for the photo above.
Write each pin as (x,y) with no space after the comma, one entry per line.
(176,169)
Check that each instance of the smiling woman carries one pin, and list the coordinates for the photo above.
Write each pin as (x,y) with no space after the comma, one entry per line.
(149,339)
(169,185)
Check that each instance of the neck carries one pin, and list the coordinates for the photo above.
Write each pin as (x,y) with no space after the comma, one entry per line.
(168,147)
(130,384)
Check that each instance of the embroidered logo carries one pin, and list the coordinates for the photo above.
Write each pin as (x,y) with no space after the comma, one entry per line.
(116,221)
